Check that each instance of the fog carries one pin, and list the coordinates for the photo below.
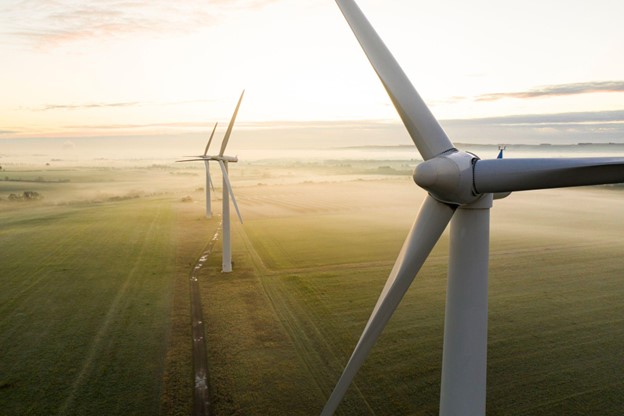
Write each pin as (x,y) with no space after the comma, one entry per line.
(253,146)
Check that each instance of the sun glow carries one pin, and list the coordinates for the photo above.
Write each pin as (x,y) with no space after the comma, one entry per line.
(156,70)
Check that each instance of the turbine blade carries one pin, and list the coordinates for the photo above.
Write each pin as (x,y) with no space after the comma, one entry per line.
(429,225)
(189,160)
(210,180)
(426,132)
(208,175)
(228,132)
(508,175)
(210,139)
(229,188)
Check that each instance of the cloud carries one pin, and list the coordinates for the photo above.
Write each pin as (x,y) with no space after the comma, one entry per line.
(48,107)
(604,126)
(588,117)
(329,125)
(54,22)
(85,106)
(139,125)
(558,90)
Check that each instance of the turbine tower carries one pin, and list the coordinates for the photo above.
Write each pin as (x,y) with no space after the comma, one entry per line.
(223,161)
(461,188)
(206,160)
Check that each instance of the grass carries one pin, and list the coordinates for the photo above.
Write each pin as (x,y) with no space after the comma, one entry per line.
(555,311)
(85,306)
(94,311)
(94,307)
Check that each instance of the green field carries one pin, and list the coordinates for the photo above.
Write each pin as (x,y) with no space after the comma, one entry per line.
(94,307)
(85,307)
(556,315)
(94,300)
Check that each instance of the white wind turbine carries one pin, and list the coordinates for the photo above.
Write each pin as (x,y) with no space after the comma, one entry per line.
(223,161)
(206,160)
(461,189)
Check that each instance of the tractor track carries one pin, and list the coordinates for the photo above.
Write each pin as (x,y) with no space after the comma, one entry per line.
(311,345)
(201,388)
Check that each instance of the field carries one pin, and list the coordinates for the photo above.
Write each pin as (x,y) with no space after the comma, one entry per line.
(320,253)
(89,294)
(94,307)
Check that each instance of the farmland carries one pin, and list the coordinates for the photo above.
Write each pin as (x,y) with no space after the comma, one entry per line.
(94,306)
(89,293)
(555,311)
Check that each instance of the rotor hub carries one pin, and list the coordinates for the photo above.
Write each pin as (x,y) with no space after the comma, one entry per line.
(449,177)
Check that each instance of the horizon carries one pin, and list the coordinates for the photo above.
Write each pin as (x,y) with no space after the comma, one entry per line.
(147,69)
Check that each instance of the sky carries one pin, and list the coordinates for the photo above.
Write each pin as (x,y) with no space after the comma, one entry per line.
(517,71)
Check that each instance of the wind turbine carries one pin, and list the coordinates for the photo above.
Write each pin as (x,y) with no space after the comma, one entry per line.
(223,161)
(206,160)
(461,188)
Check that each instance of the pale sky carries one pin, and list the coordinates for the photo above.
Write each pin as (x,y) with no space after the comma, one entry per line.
(74,68)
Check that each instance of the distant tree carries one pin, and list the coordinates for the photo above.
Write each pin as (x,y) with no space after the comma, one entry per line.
(31,195)
(26,196)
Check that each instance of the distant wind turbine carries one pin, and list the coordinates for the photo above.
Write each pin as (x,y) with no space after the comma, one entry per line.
(460,187)
(206,160)
(223,161)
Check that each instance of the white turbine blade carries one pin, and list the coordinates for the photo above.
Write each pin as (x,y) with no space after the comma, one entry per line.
(426,132)
(210,139)
(228,132)
(429,225)
(229,188)
(208,175)
(210,180)
(190,160)
(508,175)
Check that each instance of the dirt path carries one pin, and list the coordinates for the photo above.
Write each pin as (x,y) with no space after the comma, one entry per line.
(201,391)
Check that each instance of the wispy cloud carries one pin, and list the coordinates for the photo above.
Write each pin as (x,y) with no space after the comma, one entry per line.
(602,126)
(83,106)
(589,117)
(130,126)
(316,125)
(558,90)
(54,22)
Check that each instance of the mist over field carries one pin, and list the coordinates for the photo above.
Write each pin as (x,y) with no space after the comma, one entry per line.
(379,142)
(323,225)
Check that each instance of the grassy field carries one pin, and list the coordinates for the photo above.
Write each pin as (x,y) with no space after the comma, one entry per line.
(94,307)
(94,300)
(85,305)
(555,341)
